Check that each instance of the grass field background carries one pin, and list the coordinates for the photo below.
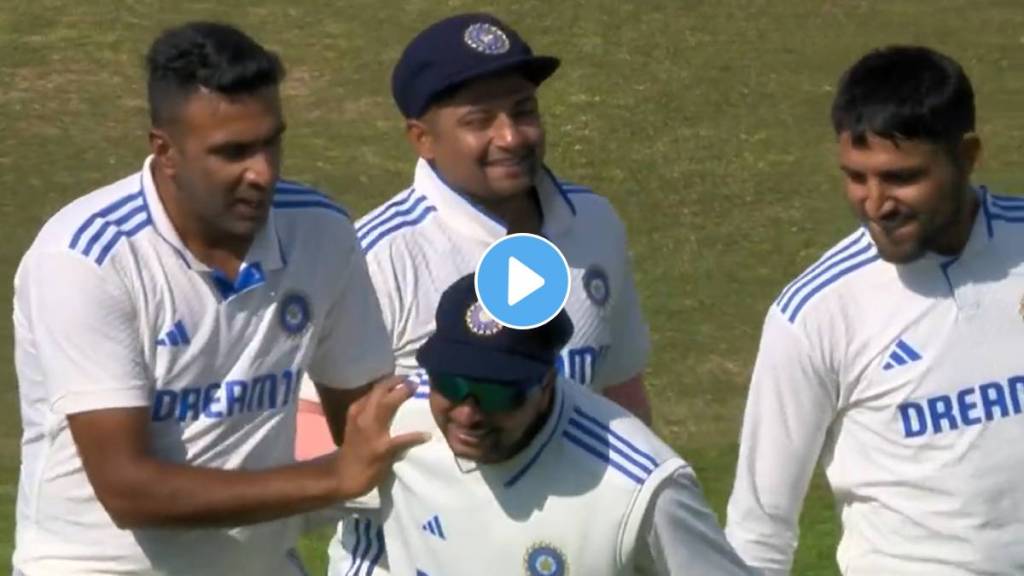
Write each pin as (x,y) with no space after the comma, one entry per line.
(706,122)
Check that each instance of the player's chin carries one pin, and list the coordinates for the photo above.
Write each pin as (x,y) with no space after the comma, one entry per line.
(245,223)
(903,252)
(474,447)
(900,246)
(510,182)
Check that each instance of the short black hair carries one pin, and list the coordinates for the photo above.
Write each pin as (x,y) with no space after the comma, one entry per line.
(210,55)
(905,92)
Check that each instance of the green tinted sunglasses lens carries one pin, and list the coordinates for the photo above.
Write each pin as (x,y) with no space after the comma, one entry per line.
(490,396)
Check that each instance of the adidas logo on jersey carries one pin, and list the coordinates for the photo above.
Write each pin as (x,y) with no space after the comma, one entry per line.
(434,527)
(901,355)
(176,336)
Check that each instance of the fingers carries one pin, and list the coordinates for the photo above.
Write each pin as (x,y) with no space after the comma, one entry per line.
(395,395)
(403,442)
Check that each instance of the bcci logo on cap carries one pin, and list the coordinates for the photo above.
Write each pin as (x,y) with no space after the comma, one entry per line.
(486,38)
(294,313)
(480,322)
(545,560)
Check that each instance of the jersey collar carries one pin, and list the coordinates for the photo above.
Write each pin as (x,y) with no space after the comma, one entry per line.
(462,214)
(265,252)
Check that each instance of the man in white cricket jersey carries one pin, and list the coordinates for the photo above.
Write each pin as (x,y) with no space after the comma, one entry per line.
(162,326)
(467,86)
(897,357)
(529,473)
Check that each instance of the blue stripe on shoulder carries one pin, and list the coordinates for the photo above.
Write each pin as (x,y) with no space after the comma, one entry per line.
(824,261)
(597,439)
(603,427)
(850,256)
(123,218)
(295,196)
(603,440)
(377,214)
(328,205)
(411,221)
(393,215)
(852,267)
(1006,208)
(600,455)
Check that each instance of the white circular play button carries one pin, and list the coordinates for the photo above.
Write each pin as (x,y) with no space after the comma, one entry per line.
(522,281)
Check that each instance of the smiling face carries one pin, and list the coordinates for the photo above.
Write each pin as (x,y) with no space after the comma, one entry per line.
(223,155)
(913,196)
(487,139)
(489,437)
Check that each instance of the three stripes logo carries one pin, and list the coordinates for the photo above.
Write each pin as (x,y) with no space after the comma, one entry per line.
(176,336)
(434,527)
(407,210)
(831,268)
(97,237)
(901,355)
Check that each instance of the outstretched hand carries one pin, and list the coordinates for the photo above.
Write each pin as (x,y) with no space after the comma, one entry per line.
(368,449)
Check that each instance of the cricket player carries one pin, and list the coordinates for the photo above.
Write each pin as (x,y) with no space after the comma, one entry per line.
(528,472)
(897,357)
(163,324)
(466,86)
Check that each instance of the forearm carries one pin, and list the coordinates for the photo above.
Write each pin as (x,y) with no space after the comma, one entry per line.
(154,493)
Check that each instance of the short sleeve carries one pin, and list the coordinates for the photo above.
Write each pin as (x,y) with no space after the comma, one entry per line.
(354,347)
(83,324)
(631,342)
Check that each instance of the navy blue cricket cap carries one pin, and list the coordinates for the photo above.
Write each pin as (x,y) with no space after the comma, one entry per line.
(456,50)
(468,342)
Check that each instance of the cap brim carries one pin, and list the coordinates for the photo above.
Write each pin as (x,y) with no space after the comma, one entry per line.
(464,359)
(536,69)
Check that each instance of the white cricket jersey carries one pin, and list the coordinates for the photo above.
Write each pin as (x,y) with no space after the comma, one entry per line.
(112,311)
(579,499)
(909,380)
(429,236)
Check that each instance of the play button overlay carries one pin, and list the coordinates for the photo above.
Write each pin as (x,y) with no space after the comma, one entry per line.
(522,281)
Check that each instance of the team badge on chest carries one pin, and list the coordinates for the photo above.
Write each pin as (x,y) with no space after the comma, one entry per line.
(294,313)
(596,285)
(543,559)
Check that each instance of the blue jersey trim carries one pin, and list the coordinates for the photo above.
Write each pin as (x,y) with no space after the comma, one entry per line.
(601,455)
(420,217)
(605,428)
(364,232)
(382,212)
(824,261)
(109,217)
(829,281)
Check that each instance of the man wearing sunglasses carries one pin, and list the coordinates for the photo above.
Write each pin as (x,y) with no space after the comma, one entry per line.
(528,471)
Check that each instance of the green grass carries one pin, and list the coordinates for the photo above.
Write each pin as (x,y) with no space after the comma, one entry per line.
(704,120)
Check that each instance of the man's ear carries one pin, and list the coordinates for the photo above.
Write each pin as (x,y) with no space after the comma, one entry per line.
(969,151)
(165,153)
(420,136)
